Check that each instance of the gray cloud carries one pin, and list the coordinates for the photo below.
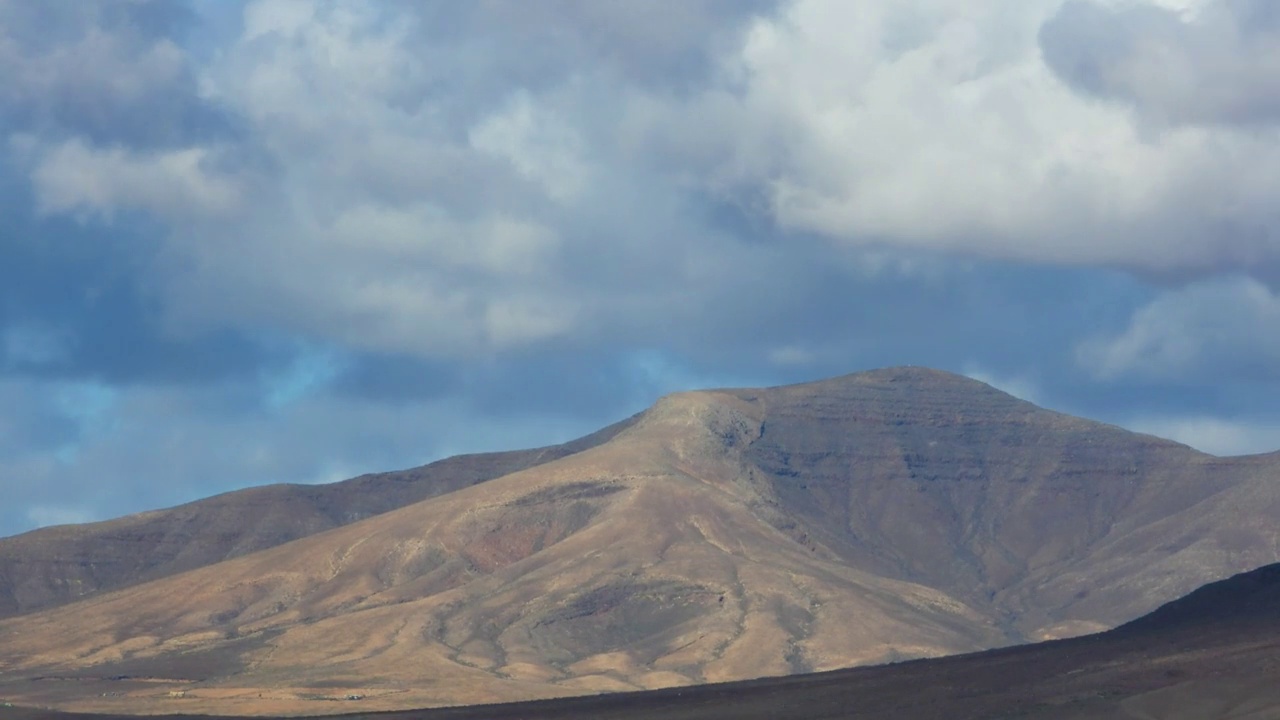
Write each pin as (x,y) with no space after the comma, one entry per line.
(440,181)
(960,138)
(75,450)
(407,199)
(77,179)
(112,72)
(1218,436)
(1225,326)
(422,216)
(395,230)
(663,44)
(1220,64)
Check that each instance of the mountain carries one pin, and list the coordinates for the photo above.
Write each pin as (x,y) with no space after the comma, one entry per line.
(721,535)
(1211,655)
(52,566)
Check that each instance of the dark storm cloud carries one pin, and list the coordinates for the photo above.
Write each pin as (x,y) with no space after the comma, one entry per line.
(1220,66)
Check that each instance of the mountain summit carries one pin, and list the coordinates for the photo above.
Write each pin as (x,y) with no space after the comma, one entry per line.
(721,534)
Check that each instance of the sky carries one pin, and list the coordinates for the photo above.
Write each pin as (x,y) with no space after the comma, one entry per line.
(288,241)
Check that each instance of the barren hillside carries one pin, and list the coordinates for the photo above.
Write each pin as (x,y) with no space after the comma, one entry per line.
(723,535)
(56,565)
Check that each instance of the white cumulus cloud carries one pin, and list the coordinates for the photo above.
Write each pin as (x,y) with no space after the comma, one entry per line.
(940,125)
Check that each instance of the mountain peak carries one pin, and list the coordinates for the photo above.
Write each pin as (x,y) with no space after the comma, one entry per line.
(898,379)
(911,373)
(723,534)
(911,377)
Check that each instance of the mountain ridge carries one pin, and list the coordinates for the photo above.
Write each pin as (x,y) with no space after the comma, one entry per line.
(52,566)
(720,535)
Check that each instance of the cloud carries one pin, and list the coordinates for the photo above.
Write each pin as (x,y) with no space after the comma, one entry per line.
(439,181)
(370,227)
(1217,63)
(1227,327)
(46,515)
(540,146)
(112,72)
(790,355)
(1216,436)
(146,447)
(32,344)
(647,43)
(176,184)
(945,130)
(1021,387)
(443,182)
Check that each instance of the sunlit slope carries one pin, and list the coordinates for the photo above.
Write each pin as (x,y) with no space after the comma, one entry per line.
(722,535)
(56,565)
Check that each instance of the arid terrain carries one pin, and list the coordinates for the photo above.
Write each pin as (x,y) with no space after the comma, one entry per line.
(56,565)
(721,535)
(1212,655)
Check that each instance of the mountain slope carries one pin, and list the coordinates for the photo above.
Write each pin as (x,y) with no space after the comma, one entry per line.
(1211,655)
(722,535)
(1056,524)
(56,565)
